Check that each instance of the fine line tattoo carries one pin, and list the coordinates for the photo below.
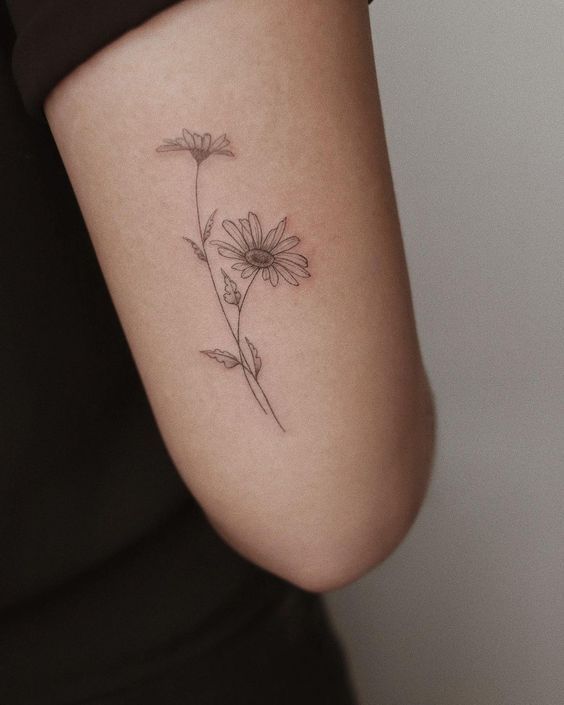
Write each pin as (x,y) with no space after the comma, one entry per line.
(251,253)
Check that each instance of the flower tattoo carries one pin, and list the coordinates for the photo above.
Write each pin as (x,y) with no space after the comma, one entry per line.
(269,254)
(251,253)
(201,146)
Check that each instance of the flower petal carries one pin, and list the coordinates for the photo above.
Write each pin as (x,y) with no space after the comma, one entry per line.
(274,279)
(220,146)
(268,240)
(279,232)
(219,141)
(227,246)
(189,139)
(206,142)
(295,269)
(232,230)
(246,230)
(239,266)
(249,271)
(256,230)
(266,274)
(171,148)
(228,254)
(286,244)
(246,234)
(285,274)
(197,140)
(226,152)
(294,257)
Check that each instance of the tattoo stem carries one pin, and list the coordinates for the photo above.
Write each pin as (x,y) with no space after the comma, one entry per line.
(244,362)
(255,376)
(241,306)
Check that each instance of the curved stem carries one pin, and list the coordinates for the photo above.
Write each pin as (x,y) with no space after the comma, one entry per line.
(246,373)
(255,376)
(270,406)
(241,308)
(198,203)
(244,362)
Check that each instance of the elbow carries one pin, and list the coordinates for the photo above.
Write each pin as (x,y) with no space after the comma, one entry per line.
(361,537)
(340,532)
(335,561)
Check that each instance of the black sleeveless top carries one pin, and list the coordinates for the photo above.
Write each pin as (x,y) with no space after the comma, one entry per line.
(114,588)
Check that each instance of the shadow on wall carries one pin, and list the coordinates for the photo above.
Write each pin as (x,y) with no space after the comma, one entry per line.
(470,609)
(449,619)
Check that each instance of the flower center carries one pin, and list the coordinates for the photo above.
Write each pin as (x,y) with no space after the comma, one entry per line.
(259,258)
(200,154)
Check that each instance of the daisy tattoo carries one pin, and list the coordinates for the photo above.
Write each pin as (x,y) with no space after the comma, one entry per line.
(250,252)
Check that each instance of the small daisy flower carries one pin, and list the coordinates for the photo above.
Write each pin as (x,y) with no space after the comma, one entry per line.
(270,255)
(200,146)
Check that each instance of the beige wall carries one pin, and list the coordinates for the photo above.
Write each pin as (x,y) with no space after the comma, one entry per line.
(470,610)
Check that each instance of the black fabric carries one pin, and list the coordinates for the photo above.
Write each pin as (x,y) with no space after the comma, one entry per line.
(82,26)
(114,588)
(57,35)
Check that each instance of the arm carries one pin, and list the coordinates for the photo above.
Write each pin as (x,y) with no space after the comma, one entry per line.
(293,86)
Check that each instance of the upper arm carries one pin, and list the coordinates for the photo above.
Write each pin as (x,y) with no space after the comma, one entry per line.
(293,86)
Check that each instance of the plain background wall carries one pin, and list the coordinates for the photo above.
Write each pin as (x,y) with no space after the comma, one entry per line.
(470,610)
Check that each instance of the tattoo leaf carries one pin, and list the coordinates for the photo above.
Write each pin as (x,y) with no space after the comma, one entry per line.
(256,359)
(209,226)
(232,294)
(226,358)
(197,249)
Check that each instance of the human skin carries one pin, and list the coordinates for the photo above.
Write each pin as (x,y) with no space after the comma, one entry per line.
(293,86)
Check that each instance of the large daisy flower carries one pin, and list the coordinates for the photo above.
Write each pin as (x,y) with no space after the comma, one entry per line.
(200,146)
(270,255)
